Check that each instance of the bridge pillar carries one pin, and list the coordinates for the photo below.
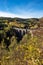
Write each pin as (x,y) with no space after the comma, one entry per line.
(26,31)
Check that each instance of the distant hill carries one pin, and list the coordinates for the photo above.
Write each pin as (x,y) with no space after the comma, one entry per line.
(31,22)
(19,19)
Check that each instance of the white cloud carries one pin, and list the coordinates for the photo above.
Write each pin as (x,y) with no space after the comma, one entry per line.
(23,15)
(7,14)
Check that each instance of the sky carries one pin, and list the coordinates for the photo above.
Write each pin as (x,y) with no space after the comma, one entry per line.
(21,8)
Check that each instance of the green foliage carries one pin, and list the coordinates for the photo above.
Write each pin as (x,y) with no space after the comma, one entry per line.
(27,52)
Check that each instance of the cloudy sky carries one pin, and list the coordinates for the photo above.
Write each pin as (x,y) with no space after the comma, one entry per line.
(21,8)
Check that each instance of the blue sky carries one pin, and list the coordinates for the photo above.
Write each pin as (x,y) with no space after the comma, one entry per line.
(21,8)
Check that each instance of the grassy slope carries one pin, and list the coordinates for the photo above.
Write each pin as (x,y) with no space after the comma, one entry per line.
(29,51)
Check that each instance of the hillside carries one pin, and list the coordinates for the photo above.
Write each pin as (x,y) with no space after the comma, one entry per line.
(19,21)
(21,41)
